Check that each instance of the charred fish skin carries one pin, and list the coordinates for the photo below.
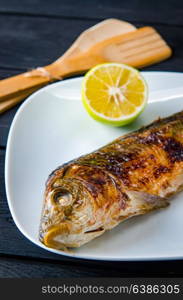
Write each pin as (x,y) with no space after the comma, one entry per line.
(132,175)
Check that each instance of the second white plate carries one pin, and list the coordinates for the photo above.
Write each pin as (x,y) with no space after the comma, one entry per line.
(49,130)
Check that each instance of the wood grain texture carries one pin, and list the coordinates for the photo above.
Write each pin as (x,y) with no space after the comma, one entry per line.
(167,12)
(29,268)
(33,33)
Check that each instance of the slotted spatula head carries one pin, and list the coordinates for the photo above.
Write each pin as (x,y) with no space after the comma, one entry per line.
(143,47)
(138,48)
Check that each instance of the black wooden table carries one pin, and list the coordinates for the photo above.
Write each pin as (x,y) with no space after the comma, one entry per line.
(32,34)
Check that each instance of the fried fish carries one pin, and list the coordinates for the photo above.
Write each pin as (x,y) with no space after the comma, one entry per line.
(131,176)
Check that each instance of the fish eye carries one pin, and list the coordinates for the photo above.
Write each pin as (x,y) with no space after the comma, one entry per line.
(62,197)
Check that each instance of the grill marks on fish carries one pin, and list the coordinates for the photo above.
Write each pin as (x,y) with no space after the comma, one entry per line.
(174,150)
(124,167)
(133,161)
(130,176)
(103,188)
(161,170)
(169,144)
(111,162)
(138,159)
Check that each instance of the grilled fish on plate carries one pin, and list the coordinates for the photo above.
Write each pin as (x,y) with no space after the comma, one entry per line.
(133,175)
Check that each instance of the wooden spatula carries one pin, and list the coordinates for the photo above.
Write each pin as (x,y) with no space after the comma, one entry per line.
(14,86)
(97,33)
(137,48)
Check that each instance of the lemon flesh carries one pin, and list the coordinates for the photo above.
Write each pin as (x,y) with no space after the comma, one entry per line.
(114,93)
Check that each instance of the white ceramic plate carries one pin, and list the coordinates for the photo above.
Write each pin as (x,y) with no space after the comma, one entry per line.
(49,130)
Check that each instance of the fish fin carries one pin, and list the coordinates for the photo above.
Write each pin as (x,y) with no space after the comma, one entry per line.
(143,202)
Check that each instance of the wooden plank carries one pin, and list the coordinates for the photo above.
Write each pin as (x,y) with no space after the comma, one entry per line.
(4,130)
(132,10)
(6,72)
(24,268)
(6,118)
(12,268)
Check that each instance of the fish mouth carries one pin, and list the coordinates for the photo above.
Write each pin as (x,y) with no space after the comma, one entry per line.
(51,237)
(61,236)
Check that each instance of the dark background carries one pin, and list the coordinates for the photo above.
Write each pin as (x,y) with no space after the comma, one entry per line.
(33,33)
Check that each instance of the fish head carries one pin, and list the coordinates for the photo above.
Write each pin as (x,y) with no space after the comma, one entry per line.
(68,218)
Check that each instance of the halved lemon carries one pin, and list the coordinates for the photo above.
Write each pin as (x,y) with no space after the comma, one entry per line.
(114,93)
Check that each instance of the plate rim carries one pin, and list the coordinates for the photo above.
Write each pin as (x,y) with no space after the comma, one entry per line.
(6,172)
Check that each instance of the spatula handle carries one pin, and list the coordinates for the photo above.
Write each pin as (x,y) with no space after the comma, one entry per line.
(14,86)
